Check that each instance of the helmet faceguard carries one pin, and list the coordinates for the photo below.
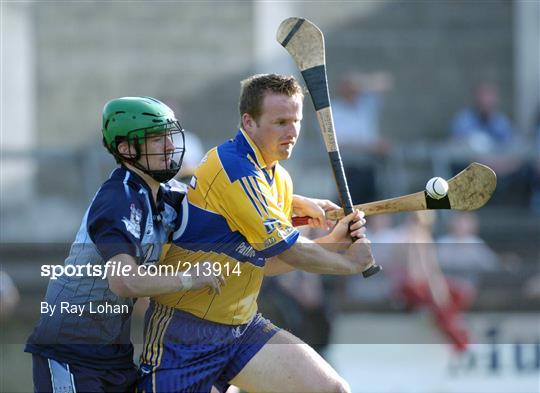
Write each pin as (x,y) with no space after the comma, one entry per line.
(158,153)
(155,139)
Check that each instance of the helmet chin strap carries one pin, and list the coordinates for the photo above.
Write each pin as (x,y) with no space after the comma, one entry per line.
(161,175)
(165,175)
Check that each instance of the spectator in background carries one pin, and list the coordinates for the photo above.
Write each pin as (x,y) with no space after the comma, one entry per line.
(487,135)
(356,114)
(482,126)
(378,289)
(461,249)
(9,295)
(535,171)
(420,283)
(531,288)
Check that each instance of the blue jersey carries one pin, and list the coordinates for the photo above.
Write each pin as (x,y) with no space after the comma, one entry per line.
(122,219)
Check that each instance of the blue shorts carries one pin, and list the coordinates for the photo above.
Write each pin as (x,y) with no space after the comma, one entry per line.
(183,353)
(52,376)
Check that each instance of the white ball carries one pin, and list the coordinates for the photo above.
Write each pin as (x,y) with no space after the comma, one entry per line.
(437,187)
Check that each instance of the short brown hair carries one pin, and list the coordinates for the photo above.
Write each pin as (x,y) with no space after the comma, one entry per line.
(254,88)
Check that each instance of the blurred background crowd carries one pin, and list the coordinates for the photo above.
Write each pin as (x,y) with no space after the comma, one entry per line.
(419,89)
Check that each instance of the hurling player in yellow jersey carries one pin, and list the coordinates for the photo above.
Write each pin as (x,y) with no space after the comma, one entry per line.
(236,222)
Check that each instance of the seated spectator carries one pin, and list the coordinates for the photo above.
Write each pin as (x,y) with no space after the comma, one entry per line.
(356,113)
(9,295)
(531,288)
(482,126)
(422,284)
(535,172)
(461,249)
(412,275)
(485,134)
(378,288)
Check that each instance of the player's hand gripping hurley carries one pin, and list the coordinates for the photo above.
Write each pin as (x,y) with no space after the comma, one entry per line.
(305,43)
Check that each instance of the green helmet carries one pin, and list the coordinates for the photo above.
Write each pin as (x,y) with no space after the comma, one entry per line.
(133,119)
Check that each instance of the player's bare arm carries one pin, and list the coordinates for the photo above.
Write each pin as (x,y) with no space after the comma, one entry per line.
(137,285)
(275,266)
(337,241)
(311,257)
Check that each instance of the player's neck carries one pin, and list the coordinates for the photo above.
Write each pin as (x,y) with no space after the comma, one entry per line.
(153,184)
(269,161)
(270,164)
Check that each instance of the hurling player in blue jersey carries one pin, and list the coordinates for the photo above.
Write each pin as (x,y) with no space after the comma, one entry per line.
(82,340)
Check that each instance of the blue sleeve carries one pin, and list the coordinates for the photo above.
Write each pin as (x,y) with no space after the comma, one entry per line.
(116,223)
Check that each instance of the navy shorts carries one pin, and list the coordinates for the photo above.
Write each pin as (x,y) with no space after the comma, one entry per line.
(183,353)
(53,376)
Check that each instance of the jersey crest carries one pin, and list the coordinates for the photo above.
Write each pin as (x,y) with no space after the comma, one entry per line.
(133,225)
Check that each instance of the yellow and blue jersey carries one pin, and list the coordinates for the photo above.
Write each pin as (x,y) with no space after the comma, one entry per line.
(237,213)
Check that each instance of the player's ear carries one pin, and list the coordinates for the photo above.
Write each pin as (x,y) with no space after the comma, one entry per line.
(248,123)
(125,149)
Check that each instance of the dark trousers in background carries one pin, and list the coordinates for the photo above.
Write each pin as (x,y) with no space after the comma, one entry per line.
(311,325)
(362,185)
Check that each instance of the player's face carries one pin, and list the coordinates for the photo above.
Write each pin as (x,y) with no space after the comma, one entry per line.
(278,127)
(156,151)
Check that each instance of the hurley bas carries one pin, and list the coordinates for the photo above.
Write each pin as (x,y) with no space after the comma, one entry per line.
(80,309)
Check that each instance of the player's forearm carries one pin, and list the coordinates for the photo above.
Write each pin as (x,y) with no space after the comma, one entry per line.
(275,266)
(145,286)
(329,243)
(136,284)
(311,257)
